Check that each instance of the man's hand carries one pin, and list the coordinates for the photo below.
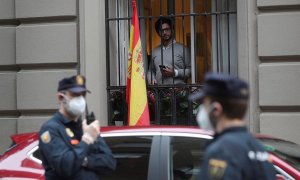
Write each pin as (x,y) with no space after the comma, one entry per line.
(90,132)
(167,72)
(153,81)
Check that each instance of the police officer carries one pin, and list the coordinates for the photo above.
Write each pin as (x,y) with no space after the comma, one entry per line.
(233,153)
(70,148)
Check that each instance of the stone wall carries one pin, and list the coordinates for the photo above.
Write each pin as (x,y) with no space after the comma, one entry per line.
(39,44)
(278,27)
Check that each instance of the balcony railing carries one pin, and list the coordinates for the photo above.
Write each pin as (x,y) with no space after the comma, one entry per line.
(168,105)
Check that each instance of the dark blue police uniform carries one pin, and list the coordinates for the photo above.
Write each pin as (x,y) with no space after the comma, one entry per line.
(235,154)
(65,156)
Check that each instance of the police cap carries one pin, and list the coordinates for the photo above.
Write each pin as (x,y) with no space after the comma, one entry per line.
(75,84)
(222,86)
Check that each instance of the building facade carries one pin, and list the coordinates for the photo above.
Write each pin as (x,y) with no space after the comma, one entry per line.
(43,41)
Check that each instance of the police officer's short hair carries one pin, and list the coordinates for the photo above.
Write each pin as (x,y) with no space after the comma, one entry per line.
(232,108)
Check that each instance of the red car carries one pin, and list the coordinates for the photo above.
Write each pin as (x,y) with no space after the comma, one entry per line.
(155,152)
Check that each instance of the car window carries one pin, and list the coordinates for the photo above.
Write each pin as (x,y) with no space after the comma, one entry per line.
(132,155)
(288,151)
(187,155)
(37,154)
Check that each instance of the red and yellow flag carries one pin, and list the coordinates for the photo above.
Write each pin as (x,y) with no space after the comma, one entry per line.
(136,96)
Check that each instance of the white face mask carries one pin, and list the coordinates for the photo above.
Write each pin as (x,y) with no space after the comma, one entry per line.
(203,119)
(75,106)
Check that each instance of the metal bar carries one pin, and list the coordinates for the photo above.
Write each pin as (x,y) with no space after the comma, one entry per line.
(124,104)
(177,15)
(173,107)
(173,30)
(190,108)
(160,7)
(158,86)
(110,109)
(206,41)
(193,68)
(228,39)
(157,106)
(195,42)
(118,43)
(173,98)
(150,56)
(107,44)
(173,34)
(171,7)
(217,37)
(107,62)
(161,45)
(183,40)
(129,16)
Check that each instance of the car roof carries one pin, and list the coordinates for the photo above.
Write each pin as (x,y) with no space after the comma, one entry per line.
(156,128)
(106,130)
(18,138)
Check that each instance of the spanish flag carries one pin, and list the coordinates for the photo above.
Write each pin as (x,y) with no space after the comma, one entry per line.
(136,97)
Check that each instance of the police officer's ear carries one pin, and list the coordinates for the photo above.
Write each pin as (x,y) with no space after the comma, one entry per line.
(216,109)
(60,96)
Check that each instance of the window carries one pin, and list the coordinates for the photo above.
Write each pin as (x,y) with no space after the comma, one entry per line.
(186,157)
(132,155)
(207,31)
(35,155)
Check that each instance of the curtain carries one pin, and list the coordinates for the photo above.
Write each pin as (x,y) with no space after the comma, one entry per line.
(119,38)
(224,37)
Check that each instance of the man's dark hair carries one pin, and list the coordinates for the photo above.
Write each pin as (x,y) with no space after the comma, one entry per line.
(232,108)
(160,21)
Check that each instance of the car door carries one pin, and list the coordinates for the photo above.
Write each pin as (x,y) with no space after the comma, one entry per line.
(134,153)
(182,155)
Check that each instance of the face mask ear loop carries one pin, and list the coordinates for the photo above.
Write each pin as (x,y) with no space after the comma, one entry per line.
(212,120)
(211,108)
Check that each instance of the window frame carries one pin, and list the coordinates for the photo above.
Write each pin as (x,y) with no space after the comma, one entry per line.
(119,82)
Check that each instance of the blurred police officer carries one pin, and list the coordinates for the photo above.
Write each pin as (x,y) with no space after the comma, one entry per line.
(233,153)
(70,148)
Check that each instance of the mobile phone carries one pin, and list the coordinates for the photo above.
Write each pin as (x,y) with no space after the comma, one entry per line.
(90,118)
(162,66)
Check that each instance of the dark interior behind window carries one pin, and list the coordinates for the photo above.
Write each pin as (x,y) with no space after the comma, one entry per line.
(187,154)
(132,154)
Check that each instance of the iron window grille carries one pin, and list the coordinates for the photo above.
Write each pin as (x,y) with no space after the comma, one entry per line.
(206,27)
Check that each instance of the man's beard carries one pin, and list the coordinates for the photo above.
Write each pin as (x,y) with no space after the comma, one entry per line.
(166,38)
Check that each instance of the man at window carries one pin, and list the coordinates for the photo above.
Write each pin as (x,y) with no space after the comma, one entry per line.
(171,62)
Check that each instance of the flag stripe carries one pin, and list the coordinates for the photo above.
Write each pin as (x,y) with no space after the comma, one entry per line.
(144,116)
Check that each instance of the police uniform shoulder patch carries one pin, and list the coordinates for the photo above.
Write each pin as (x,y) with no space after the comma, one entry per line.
(216,168)
(69,132)
(46,137)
